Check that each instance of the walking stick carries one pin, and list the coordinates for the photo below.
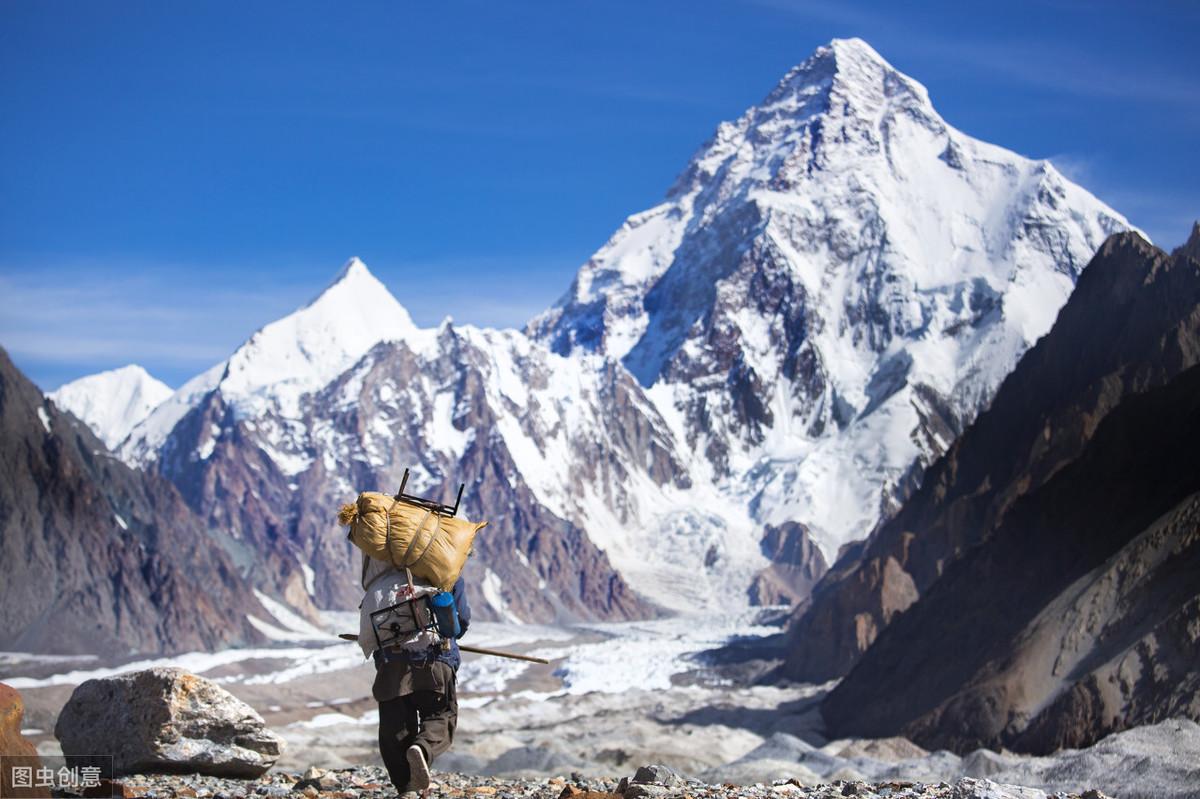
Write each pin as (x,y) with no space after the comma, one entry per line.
(475,650)
(480,651)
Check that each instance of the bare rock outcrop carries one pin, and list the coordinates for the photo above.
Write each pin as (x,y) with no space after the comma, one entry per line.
(99,558)
(167,720)
(1053,552)
(796,566)
(1130,326)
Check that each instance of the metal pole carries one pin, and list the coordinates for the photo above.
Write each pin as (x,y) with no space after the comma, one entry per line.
(480,651)
(474,650)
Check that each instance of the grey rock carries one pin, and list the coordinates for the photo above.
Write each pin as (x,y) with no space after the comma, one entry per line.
(639,790)
(986,789)
(72,515)
(167,720)
(658,775)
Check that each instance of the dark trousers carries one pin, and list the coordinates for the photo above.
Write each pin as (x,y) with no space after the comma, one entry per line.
(425,718)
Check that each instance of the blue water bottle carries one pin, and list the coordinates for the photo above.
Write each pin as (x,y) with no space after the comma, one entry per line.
(445,615)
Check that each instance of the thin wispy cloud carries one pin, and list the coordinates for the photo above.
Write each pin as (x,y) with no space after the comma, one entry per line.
(1049,64)
(493,298)
(1076,168)
(100,319)
(179,321)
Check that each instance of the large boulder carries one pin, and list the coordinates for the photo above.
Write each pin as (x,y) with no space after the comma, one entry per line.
(167,720)
(14,745)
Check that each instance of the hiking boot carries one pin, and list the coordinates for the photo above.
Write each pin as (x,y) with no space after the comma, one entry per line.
(418,769)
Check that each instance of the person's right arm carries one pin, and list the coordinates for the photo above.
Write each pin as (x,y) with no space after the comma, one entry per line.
(463,606)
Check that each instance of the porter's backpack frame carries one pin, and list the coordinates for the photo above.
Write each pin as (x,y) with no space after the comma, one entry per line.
(429,504)
(408,619)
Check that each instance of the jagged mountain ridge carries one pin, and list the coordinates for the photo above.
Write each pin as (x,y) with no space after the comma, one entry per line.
(97,558)
(806,322)
(1054,549)
(277,480)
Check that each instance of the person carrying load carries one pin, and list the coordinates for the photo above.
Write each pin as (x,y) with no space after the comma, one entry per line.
(414,611)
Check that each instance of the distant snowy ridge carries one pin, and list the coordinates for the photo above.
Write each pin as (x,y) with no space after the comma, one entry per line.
(112,403)
(832,289)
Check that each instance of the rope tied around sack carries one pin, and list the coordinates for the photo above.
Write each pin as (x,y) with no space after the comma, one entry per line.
(406,558)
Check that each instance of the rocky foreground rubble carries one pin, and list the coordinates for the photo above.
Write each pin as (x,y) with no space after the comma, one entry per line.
(163,721)
(369,782)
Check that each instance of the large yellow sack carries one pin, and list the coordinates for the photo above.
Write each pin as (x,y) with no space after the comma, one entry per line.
(433,546)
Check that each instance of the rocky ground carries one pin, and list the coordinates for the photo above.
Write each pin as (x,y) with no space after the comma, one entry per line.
(612,700)
(649,782)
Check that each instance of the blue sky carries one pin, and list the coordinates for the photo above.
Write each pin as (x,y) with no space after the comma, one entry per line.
(173,175)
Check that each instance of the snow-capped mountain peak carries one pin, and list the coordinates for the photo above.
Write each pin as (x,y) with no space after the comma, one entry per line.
(305,350)
(847,75)
(112,402)
(292,356)
(817,136)
(832,288)
(354,267)
(354,278)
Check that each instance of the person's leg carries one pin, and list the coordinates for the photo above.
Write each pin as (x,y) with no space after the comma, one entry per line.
(397,729)
(438,719)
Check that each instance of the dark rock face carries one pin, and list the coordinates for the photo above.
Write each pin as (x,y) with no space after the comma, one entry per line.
(167,720)
(1114,336)
(1190,248)
(96,557)
(1078,618)
(240,491)
(796,566)
(1039,589)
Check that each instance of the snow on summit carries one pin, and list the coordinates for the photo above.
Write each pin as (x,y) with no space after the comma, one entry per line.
(112,402)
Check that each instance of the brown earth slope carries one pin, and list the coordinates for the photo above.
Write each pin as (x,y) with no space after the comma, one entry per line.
(1040,590)
(1130,326)
(95,557)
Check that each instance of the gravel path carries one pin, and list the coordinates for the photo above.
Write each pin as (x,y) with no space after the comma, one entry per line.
(650,782)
